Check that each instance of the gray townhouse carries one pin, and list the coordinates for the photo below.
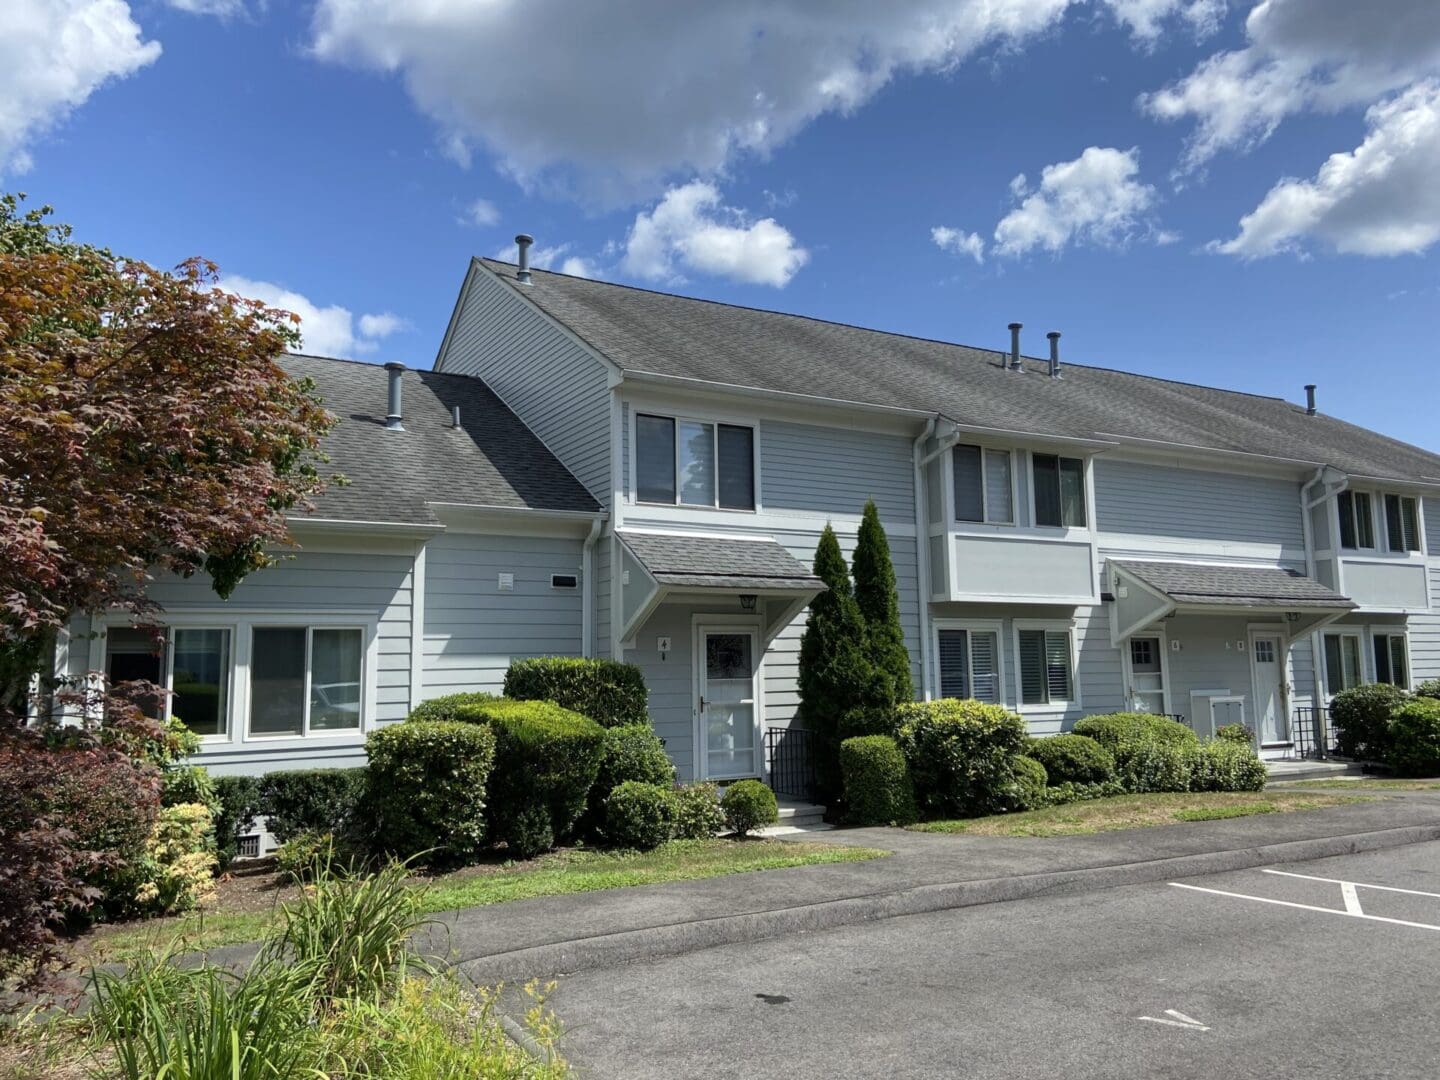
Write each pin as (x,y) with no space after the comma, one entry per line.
(595,469)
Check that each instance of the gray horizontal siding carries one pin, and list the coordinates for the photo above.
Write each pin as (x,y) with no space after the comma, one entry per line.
(553,384)
(473,630)
(834,470)
(1152,500)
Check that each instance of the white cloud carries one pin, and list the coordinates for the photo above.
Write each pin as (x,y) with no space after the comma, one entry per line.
(1147,18)
(53,55)
(1382,198)
(1300,55)
(327,331)
(481,212)
(959,242)
(622,96)
(220,8)
(561,258)
(1094,199)
(691,229)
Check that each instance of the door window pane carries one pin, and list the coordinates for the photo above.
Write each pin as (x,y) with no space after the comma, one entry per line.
(654,459)
(997,487)
(277,680)
(969,484)
(729,705)
(1144,656)
(200,679)
(737,467)
(335,658)
(697,463)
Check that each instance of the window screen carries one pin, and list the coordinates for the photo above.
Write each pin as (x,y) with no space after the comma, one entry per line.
(654,459)
(998,506)
(200,678)
(1342,662)
(277,680)
(736,466)
(1059,490)
(969,484)
(697,463)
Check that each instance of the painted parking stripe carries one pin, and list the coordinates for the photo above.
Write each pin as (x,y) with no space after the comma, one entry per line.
(1306,907)
(1361,884)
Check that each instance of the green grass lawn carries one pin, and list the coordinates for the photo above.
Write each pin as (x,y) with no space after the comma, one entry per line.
(1367,783)
(1136,812)
(555,874)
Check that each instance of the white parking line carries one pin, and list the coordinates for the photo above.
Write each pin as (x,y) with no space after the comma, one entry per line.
(1306,907)
(1351,898)
(1361,884)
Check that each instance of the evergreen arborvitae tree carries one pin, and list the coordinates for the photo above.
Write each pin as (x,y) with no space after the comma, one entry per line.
(879,603)
(836,673)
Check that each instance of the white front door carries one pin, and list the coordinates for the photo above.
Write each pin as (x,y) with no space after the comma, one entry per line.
(728,702)
(1267,662)
(1147,674)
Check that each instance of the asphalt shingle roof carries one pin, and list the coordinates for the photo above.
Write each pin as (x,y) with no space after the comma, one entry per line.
(492,460)
(1242,586)
(717,563)
(662,334)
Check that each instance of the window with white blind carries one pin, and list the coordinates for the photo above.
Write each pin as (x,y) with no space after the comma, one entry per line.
(969,660)
(1342,663)
(1357,520)
(1046,677)
(984,485)
(1402,523)
(1392,660)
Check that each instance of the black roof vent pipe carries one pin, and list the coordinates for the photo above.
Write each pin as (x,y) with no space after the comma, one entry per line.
(1015,364)
(1309,399)
(522,271)
(1054,336)
(392,418)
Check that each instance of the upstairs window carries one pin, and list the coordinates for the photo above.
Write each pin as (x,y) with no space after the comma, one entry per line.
(970,664)
(983,487)
(1357,520)
(1402,523)
(1059,490)
(1392,660)
(694,463)
(1045,675)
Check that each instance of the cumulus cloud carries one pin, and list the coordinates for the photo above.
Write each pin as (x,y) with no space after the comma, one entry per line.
(691,229)
(561,258)
(481,212)
(959,242)
(1095,199)
(1146,19)
(53,55)
(220,8)
(1300,55)
(1381,198)
(328,331)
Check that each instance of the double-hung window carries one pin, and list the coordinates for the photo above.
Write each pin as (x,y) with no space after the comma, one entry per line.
(694,462)
(1357,520)
(984,491)
(1046,677)
(1402,523)
(1392,660)
(969,662)
(305,679)
(1059,490)
(1342,662)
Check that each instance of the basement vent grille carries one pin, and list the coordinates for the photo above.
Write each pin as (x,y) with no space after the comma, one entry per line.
(249,846)
(564,581)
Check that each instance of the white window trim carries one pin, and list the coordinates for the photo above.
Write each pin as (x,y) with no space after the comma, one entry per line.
(700,625)
(715,420)
(1324,668)
(1129,673)
(982,626)
(1087,478)
(241,626)
(986,448)
(1056,625)
(1368,658)
(1380,551)
(305,733)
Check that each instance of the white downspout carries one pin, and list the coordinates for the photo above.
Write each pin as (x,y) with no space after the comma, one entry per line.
(922,555)
(587,595)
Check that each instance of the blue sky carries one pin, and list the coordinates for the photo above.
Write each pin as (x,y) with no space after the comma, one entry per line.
(347,157)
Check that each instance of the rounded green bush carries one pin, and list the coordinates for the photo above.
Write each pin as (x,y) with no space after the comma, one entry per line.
(638,815)
(1145,765)
(632,752)
(1226,765)
(1415,738)
(1030,782)
(1430,688)
(749,805)
(1110,730)
(1073,759)
(697,811)
(609,692)
(180,784)
(877,781)
(426,789)
(1236,733)
(961,755)
(448,707)
(1361,719)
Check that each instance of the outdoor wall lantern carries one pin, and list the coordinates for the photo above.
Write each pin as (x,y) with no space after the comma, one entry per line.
(747,601)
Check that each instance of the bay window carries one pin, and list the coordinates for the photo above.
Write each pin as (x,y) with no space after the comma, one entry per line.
(1402,523)
(982,485)
(1357,520)
(305,679)
(1059,484)
(969,662)
(694,462)
(1045,670)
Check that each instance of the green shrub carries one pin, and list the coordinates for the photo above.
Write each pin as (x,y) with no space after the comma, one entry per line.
(1028,791)
(749,805)
(311,800)
(1236,733)
(1145,765)
(237,801)
(177,870)
(638,815)
(1226,765)
(869,720)
(1415,738)
(448,707)
(878,599)
(1073,759)
(1361,719)
(1069,792)
(697,811)
(1430,688)
(961,755)
(426,789)
(297,858)
(1110,730)
(188,784)
(633,752)
(546,761)
(877,781)
(609,692)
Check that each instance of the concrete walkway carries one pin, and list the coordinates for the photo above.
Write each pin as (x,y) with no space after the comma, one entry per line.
(926,872)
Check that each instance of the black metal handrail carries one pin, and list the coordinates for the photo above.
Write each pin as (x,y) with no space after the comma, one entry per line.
(1312,732)
(790,761)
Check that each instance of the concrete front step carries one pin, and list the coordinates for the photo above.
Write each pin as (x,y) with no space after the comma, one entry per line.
(1280,771)
(795,812)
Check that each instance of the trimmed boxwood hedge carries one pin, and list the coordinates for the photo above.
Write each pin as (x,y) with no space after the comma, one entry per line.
(1361,718)
(638,815)
(311,800)
(426,789)
(1073,759)
(448,707)
(1226,765)
(878,790)
(633,752)
(1030,781)
(1110,730)
(749,805)
(961,755)
(1415,738)
(546,760)
(609,692)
